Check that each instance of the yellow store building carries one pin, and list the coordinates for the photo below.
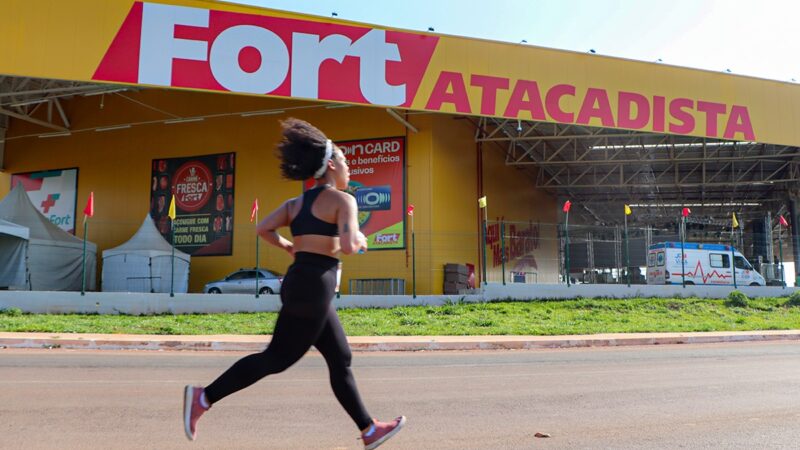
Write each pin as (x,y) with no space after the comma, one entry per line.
(125,91)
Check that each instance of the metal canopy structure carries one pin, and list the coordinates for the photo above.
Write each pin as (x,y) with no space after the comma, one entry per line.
(601,169)
(22,97)
(40,102)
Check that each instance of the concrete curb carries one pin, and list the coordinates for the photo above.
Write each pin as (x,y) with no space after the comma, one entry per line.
(382,343)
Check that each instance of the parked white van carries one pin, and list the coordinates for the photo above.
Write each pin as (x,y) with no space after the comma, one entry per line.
(703,264)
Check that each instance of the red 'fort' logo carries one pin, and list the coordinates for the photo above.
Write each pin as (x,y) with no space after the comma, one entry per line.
(178,46)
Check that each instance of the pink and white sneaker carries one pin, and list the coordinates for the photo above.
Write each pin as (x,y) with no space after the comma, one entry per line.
(383,431)
(192,410)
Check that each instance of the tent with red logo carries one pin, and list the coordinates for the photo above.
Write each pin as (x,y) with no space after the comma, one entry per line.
(14,254)
(142,264)
(54,256)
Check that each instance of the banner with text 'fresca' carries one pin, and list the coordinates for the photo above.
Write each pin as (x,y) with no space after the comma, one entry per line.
(214,46)
(203,188)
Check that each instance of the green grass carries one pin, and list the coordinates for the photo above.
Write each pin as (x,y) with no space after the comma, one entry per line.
(550,317)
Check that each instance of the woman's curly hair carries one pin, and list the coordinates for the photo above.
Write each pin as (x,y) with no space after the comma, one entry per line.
(301,150)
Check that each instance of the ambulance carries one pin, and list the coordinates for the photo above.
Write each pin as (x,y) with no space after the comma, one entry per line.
(703,264)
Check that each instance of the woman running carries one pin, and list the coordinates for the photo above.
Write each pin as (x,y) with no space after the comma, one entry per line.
(323,222)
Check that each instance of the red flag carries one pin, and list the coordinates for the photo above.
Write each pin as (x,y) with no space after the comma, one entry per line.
(686,212)
(783,221)
(410,210)
(254,211)
(566,207)
(89,210)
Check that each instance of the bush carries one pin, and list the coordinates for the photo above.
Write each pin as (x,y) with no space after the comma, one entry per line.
(11,312)
(736,299)
(793,300)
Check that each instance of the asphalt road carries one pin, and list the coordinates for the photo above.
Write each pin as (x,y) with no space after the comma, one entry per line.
(685,396)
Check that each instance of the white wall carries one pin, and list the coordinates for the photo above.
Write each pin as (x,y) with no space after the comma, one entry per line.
(40,302)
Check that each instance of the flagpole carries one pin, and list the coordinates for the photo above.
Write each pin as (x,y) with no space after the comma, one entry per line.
(172,260)
(172,214)
(566,246)
(83,260)
(627,256)
(258,271)
(503,249)
(733,253)
(485,219)
(780,251)
(413,260)
(683,254)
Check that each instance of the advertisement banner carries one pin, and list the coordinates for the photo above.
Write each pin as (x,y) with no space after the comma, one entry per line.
(54,193)
(377,174)
(214,46)
(520,242)
(203,187)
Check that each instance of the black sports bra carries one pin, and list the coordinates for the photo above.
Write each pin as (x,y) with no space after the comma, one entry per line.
(306,223)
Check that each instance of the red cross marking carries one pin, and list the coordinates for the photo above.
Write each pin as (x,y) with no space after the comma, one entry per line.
(50,202)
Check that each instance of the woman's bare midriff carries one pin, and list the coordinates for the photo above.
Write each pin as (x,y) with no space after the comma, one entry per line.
(313,243)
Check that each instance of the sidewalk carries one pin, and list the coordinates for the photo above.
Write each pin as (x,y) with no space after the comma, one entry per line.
(251,343)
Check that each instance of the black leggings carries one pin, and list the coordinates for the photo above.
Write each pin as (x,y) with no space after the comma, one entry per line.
(307,318)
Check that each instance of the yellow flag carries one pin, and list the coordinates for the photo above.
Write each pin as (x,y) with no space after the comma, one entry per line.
(735,222)
(482,202)
(628,211)
(171,212)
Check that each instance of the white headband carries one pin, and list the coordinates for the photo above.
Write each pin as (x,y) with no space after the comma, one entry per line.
(328,153)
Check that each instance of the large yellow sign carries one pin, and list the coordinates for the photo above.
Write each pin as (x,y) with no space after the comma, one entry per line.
(204,45)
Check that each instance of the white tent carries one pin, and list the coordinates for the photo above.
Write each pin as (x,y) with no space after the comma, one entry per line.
(143,264)
(14,254)
(54,256)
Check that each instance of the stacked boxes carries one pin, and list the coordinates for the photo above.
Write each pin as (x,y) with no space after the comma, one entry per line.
(455,278)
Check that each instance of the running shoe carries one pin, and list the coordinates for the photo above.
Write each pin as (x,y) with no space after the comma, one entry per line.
(192,410)
(383,431)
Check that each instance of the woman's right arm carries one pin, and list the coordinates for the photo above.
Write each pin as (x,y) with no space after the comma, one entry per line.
(267,228)
(351,240)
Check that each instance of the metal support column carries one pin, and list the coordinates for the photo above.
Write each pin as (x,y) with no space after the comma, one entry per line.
(590,257)
(794,210)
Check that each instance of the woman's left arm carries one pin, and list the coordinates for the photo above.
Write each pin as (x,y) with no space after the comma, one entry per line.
(267,228)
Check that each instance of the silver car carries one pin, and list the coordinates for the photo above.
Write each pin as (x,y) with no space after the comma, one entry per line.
(243,281)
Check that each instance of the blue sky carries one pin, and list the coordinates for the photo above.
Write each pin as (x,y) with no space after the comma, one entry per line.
(757,38)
